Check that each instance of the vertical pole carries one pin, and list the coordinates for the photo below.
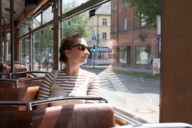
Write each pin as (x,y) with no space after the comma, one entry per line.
(97,45)
(12,35)
(1,57)
(55,35)
(117,31)
(30,49)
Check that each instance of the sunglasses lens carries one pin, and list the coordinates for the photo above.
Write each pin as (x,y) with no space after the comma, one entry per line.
(82,47)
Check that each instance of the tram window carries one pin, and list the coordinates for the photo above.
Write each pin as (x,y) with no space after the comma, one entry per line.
(123,61)
(25,48)
(127,80)
(43,49)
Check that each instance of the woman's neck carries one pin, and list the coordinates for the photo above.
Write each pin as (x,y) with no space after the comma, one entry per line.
(71,70)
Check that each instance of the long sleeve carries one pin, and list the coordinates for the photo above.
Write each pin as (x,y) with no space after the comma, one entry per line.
(94,86)
(45,88)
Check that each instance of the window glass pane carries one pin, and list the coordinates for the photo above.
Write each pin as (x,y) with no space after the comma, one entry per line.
(8,47)
(37,21)
(23,29)
(143,55)
(104,22)
(122,61)
(143,21)
(43,49)
(123,55)
(125,26)
(136,88)
(25,50)
(47,15)
(68,5)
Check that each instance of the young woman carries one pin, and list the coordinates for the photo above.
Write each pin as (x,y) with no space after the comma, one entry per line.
(72,79)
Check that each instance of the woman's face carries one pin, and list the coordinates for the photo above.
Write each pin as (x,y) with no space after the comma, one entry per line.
(78,53)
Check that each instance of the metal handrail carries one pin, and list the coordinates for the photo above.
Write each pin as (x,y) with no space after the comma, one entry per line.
(21,79)
(23,72)
(15,103)
(53,99)
(30,104)
(11,74)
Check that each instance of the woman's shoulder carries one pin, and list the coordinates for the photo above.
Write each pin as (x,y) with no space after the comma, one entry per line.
(85,72)
(53,73)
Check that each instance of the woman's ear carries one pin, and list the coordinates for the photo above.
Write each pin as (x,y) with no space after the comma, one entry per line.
(67,53)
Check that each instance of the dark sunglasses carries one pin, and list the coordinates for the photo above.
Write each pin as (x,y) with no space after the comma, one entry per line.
(81,47)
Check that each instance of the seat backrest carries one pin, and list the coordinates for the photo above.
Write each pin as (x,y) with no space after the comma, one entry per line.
(15,119)
(11,83)
(5,83)
(69,116)
(75,116)
(13,94)
(36,82)
(18,94)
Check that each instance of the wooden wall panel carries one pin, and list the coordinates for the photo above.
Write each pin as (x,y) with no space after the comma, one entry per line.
(176,80)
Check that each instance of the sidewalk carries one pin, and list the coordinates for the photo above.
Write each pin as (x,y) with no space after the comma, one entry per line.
(136,69)
(128,68)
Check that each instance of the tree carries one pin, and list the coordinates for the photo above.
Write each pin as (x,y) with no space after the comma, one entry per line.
(76,24)
(147,9)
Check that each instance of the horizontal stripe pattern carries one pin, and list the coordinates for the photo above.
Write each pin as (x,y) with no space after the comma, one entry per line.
(86,83)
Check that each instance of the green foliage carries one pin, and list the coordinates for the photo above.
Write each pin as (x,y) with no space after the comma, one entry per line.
(147,9)
(76,24)
(45,36)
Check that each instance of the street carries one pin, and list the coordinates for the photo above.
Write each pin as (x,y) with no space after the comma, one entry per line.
(136,96)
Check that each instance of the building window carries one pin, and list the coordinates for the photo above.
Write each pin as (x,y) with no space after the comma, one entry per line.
(125,26)
(143,55)
(104,35)
(143,21)
(115,5)
(114,29)
(104,22)
(123,54)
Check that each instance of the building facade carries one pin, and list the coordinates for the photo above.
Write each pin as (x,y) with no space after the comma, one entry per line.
(134,43)
(100,27)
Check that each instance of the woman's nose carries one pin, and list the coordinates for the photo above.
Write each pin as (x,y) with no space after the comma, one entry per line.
(86,51)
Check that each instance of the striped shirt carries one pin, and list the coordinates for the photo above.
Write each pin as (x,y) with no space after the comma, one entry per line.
(85,83)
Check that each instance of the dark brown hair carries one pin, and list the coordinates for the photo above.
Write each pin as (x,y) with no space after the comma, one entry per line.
(66,44)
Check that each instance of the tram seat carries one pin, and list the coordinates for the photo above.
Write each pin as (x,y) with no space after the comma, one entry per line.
(35,82)
(69,116)
(18,94)
(7,83)
(5,68)
(15,119)
(11,83)
(22,82)
(75,116)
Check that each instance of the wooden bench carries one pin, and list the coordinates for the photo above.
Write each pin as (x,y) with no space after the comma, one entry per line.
(68,116)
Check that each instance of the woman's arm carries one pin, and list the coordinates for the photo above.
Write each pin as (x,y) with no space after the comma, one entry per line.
(94,86)
(45,89)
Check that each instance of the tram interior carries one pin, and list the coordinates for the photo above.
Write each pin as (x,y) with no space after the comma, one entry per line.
(29,52)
